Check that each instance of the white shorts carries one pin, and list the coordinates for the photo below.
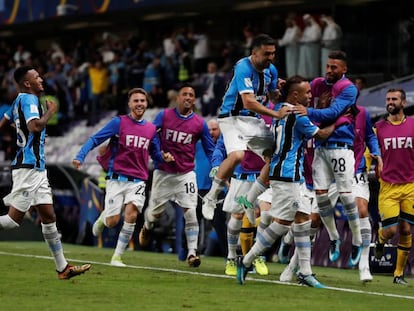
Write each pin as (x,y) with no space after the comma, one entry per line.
(310,196)
(237,188)
(30,188)
(266,196)
(333,165)
(246,133)
(179,188)
(287,199)
(120,193)
(360,186)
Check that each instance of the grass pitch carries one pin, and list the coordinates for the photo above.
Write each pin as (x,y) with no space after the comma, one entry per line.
(154,281)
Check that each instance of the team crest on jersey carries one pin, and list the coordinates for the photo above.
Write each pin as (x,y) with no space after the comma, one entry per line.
(33,109)
(25,194)
(248,82)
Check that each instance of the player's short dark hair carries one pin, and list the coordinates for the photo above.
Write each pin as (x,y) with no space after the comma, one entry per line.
(290,84)
(262,39)
(20,72)
(401,91)
(337,54)
(183,85)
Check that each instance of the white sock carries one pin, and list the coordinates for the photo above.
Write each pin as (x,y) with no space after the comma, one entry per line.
(265,221)
(264,241)
(217,186)
(288,237)
(301,234)
(351,211)
(257,189)
(233,232)
(51,236)
(124,237)
(191,230)
(327,215)
(366,233)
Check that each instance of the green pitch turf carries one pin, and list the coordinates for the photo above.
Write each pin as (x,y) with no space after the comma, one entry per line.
(154,281)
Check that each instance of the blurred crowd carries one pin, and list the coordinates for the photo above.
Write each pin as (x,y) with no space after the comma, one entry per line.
(90,75)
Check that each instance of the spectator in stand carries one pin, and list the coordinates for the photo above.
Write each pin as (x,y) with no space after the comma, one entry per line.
(152,75)
(201,51)
(185,68)
(290,41)
(118,84)
(21,56)
(331,38)
(309,51)
(8,81)
(212,90)
(8,134)
(99,81)
(248,34)
(135,73)
(406,45)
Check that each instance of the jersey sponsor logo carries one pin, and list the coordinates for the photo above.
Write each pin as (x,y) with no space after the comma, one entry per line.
(248,82)
(178,137)
(398,143)
(137,141)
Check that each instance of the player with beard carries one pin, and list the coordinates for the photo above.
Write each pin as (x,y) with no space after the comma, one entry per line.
(396,196)
(254,79)
(334,158)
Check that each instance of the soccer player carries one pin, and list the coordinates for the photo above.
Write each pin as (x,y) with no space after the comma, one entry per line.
(254,79)
(179,129)
(30,183)
(334,160)
(396,196)
(364,137)
(127,172)
(287,183)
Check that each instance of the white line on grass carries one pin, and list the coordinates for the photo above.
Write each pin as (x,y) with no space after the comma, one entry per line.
(348,290)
